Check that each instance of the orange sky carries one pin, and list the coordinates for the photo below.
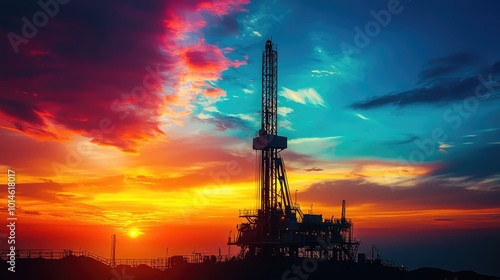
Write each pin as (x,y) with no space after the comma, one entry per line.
(190,196)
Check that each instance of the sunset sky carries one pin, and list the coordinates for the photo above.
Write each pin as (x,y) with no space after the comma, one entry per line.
(135,118)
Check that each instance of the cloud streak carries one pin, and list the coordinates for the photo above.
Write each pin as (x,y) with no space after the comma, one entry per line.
(474,165)
(225,122)
(444,66)
(445,80)
(303,96)
(431,194)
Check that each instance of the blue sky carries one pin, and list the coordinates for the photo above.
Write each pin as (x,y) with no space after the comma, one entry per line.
(455,38)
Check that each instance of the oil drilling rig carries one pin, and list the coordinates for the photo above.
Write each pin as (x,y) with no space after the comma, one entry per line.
(279,227)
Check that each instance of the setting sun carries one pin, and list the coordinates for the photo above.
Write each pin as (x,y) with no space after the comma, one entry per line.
(133,233)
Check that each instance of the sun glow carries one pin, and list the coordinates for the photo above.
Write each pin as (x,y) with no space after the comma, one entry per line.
(134,233)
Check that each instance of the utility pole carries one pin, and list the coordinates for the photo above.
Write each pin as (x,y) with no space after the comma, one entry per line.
(113,250)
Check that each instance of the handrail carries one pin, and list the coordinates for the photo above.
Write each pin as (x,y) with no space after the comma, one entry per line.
(248,213)
(160,263)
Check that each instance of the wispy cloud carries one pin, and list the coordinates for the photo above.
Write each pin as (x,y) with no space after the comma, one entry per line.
(362,117)
(325,61)
(303,96)
(224,122)
(211,109)
(257,33)
(248,91)
(312,140)
(286,124)
(264,16)
(409,139)
(314,169)
(314,145)
(322,73)
(284,111)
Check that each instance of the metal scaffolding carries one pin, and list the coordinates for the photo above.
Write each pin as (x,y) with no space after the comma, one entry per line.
(279,228)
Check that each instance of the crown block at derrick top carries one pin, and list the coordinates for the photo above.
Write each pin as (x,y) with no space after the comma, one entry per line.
(269,141)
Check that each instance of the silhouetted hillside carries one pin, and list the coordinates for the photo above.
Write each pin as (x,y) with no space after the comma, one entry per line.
(83,268)
(432,273)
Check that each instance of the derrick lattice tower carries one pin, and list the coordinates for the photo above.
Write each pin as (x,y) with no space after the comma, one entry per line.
(279,228)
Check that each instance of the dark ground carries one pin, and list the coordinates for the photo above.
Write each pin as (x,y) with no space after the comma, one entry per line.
(82,268)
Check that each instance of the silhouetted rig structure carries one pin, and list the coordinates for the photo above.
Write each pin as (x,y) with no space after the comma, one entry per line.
(279,227)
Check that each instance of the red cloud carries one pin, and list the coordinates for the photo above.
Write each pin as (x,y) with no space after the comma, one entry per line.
(205,57)
(221,8)
(214,92)
(198,64)
(89,78)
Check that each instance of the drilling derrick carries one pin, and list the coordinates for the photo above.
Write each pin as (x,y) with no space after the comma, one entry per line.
(279,228)
(269,143)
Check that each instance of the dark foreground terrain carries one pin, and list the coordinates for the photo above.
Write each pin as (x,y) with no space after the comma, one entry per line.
(82,268)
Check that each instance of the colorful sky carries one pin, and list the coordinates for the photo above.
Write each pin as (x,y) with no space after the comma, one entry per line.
(136,118)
